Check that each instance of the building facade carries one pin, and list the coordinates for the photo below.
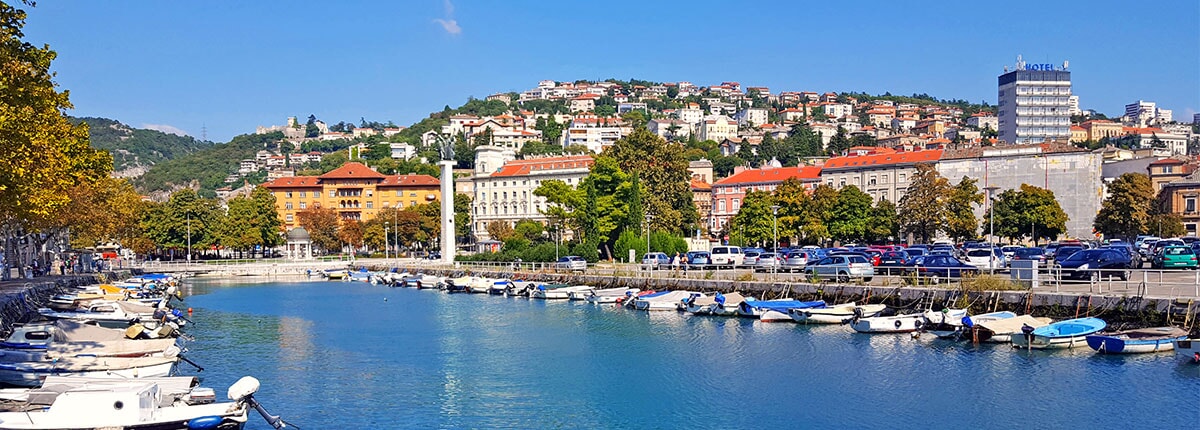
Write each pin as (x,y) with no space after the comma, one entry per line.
(1182,195)
(728,193)
(506,194)
(1034,104)
(356,191)
(884,174)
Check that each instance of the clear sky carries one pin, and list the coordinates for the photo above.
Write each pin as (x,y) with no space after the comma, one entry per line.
(234,65)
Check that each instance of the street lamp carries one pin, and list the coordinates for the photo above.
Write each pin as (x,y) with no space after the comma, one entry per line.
(385,241)
(189,227)
(775,234)
(992,228)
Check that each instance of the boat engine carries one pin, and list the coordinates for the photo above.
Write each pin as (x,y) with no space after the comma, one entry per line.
(243,391)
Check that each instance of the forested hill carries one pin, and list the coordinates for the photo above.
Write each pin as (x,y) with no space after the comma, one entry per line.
(135,149)
(206,168)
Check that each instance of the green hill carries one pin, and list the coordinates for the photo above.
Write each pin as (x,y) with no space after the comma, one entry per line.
(134,148)
(207,167)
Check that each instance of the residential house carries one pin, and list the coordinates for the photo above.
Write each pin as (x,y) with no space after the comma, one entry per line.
(717,128)
(750,117)
(836,110)
(883,173)
(1181,195)
(356,191)
(506,194)
(1167,170)
(584,103)
(728,193)
(670,128)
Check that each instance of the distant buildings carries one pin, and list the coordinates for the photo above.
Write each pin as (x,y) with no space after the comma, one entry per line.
(504,193)
(356,191)
(1034,104)
(728,193)
(717,128)
(1143,113)
(882,173)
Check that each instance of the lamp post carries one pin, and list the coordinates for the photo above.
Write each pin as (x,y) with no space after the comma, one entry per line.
(189,228)
(775,235)
(991,228)
(385,241)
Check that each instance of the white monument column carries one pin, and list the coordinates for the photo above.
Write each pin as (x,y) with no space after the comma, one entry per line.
(448,247)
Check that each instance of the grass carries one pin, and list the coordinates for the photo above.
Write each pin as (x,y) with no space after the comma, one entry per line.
(991,283)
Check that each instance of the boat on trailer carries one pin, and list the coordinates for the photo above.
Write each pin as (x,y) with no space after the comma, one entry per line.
(1137,341)
(1060,335)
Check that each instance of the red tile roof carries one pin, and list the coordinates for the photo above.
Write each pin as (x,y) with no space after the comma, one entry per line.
(525,167)
(1167,162)
(883,159)
(352,170)
(698,185)
(410,181)
(293,182)
(761,176)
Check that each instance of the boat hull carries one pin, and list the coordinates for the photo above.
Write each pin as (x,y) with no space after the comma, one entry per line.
(1046,342)
(772,315)
(896,324)
(32,374)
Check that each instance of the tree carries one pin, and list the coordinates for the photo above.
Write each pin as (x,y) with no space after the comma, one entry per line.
(529,230)
(961,223)
(922,210)
(351,233)
(101,212)
(1029,212)
(662,168)
(1126,211)
(500,230)
(310,127)
(322,226)
(1165,225)
(793,201)
(635,118)
(462,215)
(608,190)
(804,141)
(839,143)
(820,213)
(850,215)
(562,202)
(551,130)
(754,222)
(884,225)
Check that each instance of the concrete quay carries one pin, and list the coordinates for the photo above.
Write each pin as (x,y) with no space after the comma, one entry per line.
(21,298)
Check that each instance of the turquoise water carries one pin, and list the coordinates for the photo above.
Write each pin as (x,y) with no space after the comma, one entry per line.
(352,355)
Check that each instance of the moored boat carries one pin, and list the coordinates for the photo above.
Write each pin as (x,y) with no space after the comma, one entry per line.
(837,314)
(780,311)
(1188,349)
(756,308)
(610,295)
(1060,335)
(556,292)
(728,304)
(944,323)
(1002,330)
(666,301)
(893,324)
(1137,341)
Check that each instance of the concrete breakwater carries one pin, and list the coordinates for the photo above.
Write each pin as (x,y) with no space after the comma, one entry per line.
(1120,311)
(21,298)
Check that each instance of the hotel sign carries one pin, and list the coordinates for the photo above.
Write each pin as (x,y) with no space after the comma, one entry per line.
(1047,67)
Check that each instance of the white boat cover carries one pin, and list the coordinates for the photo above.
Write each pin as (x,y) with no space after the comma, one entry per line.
(1013,325)
(731,300)
(135,308)
(111,348)
(73,331)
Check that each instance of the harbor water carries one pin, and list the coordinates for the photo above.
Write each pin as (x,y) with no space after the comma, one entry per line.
(354,355)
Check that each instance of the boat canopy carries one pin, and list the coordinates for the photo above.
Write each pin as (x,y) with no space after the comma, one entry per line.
(783,305)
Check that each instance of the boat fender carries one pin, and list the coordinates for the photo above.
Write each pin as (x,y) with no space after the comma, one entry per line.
(897,323)
(204,423)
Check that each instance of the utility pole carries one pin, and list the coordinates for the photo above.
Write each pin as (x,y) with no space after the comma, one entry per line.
(189,228)
(992,228)
(775,234)
(385,241)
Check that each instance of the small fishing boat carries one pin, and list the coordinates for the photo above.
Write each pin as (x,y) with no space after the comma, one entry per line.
(704,304)
(837,314)
(119,314)
(665,301)
(944,323)
(1060,335)
(610,295)
(482,285)
(139,405)
(1137,341)
(335,274)
(1002,330)
(581,294)
(1188,349)
(556,292)
(31,373)
(893,324)
(499,287)
(777,311)
(727,305)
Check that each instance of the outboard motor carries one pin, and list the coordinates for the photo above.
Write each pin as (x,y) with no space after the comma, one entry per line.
(243,391)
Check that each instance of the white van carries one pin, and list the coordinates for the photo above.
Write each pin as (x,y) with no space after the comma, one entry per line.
(727,256)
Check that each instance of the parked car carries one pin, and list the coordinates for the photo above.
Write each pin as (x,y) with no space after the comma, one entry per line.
(1009,251)
(916,251)
(894,262)
(842,267)
(1062,252)
(656,260)
(1037,254)
(1093,264)
(768,261)
(936,268)
(986,258)
(795,260)
(571,262)
(697,260)
(730,256)
(1158,246)
(750,257)
(1174,257)
(1126,250)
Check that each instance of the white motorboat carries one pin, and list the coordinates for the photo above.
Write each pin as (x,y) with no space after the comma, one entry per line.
(579,295)
(500,286)
(944,323)
(728,304)
(30,373)
(892,324)
(610,295)
(838,314)
(117,314)
(1067,334)
(1188,349)
(122,348)
(704,305)
(666,301)
(545,292)
(134,404)
(482,285)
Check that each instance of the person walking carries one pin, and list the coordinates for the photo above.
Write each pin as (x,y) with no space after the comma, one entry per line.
(675,262)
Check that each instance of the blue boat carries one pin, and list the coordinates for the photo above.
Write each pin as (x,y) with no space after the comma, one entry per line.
(756,308)
(972,320)
(1059,335)
(1138,341)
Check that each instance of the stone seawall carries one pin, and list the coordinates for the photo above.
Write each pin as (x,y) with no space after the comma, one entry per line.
(1120,311)
(21,298)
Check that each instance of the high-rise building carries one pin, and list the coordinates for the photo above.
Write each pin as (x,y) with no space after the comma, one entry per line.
(1196,118)
(1035,103)
(1140,113)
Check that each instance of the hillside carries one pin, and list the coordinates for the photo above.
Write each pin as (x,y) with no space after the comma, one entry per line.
(135,149)
(206,168)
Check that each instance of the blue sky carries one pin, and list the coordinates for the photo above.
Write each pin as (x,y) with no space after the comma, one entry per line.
(231,66)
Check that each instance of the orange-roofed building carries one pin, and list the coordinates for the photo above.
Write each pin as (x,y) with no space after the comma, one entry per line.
(882,175)
(354,190)
(506,193)
(728,193)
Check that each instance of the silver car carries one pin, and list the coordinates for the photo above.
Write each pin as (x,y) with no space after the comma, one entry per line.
(796,261)
(842,268)
(767,262)
(571,262)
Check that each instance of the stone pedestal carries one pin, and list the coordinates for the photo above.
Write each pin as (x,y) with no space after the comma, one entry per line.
(448,246)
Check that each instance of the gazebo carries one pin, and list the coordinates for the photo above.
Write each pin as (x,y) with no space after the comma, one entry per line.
(299,246)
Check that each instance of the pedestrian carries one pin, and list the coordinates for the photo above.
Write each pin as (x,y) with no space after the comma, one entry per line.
(62,267)
(675,262)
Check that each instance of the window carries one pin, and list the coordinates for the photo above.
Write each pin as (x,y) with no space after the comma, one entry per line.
(288,218)
(302,193)
(901,178)
(370,204)
(399,193)
(871,181)
(735,205)
(288,205)
(1190,204)
(721,205)
(303,205)
(289,194)
(412,194)
(386,204)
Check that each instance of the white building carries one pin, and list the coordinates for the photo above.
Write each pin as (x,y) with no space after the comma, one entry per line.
(982,121)
(717,128)
(1034,104)
(1073,106)
(1140,112)
(691,115)
(669,128)
(838,110)
(403,151)
(751,117)
(505,194)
